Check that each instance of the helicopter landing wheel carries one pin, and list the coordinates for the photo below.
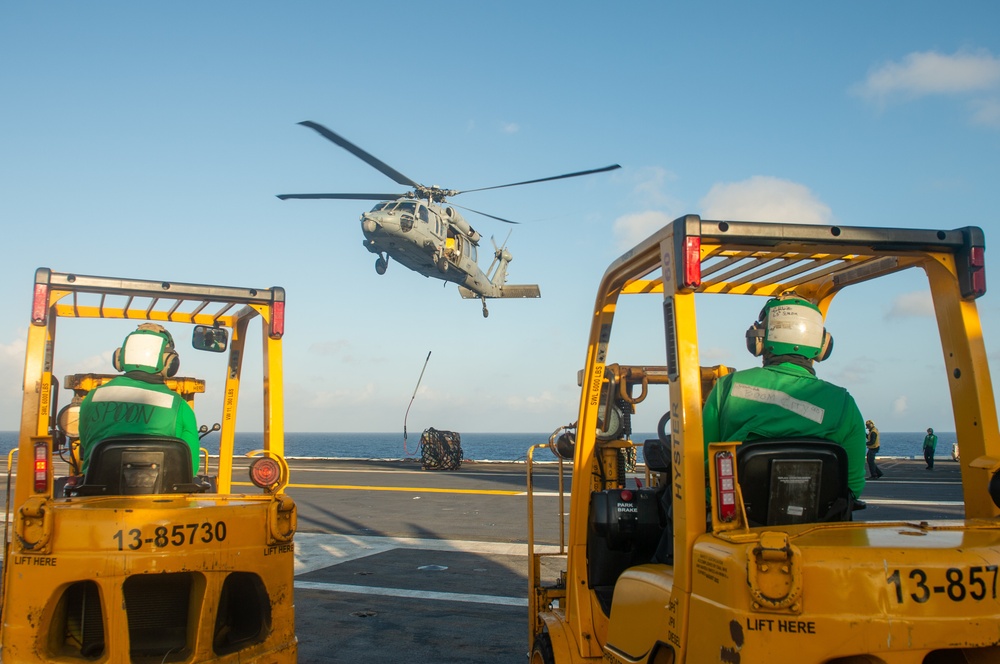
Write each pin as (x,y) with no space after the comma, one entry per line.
(381,264)
(486,312)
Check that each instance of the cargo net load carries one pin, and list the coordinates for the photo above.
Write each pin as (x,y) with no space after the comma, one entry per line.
(440,450)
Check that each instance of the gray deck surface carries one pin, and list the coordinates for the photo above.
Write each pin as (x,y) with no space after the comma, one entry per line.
(397,564)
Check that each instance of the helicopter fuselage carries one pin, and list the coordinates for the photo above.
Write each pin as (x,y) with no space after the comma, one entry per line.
(430,239)
(418,231)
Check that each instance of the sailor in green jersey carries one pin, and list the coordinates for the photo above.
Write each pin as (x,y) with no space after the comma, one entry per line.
(930,444)
(139,402)
(784,398)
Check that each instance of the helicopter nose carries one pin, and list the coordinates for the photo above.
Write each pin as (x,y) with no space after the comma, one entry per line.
(368,225)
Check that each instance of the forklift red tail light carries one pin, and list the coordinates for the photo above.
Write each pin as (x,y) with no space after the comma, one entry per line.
(725,490)
(264,472)
(977,257)
(979,282)
(977,269)
(41,467)
(40,304)
(692,262)
(277,320)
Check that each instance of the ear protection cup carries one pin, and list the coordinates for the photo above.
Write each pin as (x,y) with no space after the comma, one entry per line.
(171,363)
(116,359)
(826,348)
(755,339)
(756,332)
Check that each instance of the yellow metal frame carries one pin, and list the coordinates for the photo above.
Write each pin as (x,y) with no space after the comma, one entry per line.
(221,544)
(820,591)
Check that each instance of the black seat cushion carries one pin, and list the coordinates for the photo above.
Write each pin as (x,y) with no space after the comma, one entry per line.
(793,480)
(137,465)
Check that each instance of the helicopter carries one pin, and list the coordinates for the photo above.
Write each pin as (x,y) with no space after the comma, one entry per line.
(420,231)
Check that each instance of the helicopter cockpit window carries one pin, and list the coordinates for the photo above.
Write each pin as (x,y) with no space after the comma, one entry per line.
(381,206)
(469,250)
(408,212)
(422,213)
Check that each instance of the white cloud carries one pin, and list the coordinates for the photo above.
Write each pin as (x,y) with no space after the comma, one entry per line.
(510,127)
(100,363)
(856,373)
(631,229)
(759,198)
(334,347)
(650,187)
(354,396)
(539,403)
(917,304)
(986,112)
(763,198)
(650,191)
(899,406)
(13,352)
(714,354)
(928,73)
(11,366)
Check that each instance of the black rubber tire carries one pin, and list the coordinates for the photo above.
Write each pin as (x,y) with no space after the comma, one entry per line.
(542,652)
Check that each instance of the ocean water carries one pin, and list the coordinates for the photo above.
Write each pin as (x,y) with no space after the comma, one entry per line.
(476,446)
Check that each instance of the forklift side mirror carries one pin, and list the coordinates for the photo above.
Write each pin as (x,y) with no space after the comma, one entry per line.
(212,339)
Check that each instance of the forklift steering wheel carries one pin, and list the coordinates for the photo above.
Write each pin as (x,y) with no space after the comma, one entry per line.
(661,429)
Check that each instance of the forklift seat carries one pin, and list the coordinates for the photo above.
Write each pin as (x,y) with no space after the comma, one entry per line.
(138,465)
(794,480)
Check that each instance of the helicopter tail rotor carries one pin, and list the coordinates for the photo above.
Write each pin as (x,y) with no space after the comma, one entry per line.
(501,257)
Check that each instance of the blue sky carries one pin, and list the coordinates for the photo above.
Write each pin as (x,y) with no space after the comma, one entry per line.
(149,140)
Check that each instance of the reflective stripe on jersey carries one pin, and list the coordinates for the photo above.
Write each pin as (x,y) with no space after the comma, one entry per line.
(128,394)
(779,399)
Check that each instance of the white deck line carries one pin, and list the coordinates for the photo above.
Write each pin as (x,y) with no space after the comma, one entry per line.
(315,551)
(414,594)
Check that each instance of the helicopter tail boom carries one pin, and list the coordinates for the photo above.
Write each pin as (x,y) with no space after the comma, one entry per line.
(509,291)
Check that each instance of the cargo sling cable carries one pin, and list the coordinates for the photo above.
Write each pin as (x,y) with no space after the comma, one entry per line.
(405,451)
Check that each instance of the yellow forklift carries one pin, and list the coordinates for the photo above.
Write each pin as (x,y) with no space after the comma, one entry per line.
(759,566)
(142,558)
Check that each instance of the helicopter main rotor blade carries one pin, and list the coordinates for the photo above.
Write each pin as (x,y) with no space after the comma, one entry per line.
(360,154)
(555,177)
(352,197)
(491,216)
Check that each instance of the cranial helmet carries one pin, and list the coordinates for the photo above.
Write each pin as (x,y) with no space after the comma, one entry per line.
(789,325)
(870,424)
(150,348)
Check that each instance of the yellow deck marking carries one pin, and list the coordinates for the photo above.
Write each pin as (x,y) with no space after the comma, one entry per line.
(484,492)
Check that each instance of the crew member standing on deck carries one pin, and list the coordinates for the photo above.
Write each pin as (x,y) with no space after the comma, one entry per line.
(930,443)
(873,446)
(140,401)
